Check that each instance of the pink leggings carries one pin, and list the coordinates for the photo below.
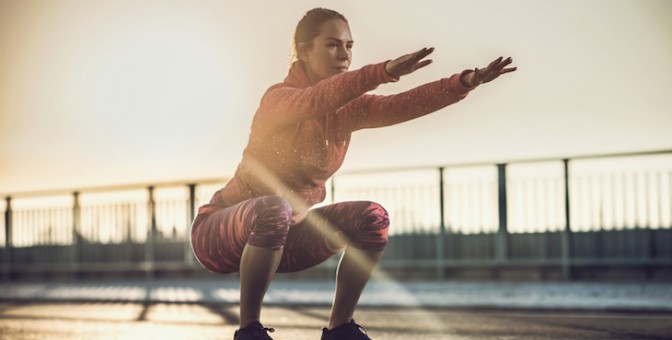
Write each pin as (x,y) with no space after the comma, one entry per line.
(218,235)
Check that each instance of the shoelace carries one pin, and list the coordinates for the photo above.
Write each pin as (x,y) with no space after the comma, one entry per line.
(265,330)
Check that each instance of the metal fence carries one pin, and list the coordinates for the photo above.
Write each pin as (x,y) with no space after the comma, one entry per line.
(564,213)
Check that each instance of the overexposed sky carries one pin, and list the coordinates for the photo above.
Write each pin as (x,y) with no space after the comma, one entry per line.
(113,92)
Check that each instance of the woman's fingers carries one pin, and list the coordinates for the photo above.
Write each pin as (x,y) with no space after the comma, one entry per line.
(423,53)
(496,68)
(409,62)
(422,64)
(414,58)
(495,63)
(414,61)
(505,63)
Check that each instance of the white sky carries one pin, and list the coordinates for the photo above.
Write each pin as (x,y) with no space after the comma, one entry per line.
(113,92)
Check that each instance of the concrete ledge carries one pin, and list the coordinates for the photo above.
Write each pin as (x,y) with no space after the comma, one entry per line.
(649,297)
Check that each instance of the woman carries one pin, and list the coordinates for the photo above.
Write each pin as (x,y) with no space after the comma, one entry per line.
(261,222)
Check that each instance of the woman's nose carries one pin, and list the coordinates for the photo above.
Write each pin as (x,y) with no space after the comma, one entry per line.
(343,54)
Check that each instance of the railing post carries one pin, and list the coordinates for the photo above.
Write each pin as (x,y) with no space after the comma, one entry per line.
(7,253)
(567,232)
(76,227)
(441,240)
(333,190)
(331,274)
(151,235)
(188,257)
(501,250)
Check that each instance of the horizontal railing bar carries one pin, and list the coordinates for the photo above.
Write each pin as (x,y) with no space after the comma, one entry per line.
(134,186)
(389,264)
(492,163)
(105,266)
(108,188)
(524,262)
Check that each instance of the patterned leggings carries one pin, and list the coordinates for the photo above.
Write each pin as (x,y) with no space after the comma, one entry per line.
(218,235)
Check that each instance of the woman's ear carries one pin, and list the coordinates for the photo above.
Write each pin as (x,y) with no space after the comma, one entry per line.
(302,51)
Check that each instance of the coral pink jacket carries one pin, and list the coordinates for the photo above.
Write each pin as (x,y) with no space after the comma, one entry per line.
(300,133)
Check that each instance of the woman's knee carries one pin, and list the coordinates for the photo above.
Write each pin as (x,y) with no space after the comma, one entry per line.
(373,229)
(271,224)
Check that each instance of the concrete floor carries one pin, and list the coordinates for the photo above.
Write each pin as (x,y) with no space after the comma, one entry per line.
(111,320)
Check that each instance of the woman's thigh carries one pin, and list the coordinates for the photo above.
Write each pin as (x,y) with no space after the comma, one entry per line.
(327,230)
(219,236)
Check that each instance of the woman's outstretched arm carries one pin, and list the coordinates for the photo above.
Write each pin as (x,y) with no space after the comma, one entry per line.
(373,111)
(288,104)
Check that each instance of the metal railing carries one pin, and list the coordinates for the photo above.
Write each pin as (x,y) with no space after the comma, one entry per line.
(553,212)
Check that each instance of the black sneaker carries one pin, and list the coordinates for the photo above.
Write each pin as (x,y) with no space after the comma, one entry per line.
(348,331)
(253,331)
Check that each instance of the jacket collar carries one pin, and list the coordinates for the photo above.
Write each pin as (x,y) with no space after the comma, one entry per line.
(297,76)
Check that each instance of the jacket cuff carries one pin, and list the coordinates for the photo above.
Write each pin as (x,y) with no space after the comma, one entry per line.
(455,84)
(383,75)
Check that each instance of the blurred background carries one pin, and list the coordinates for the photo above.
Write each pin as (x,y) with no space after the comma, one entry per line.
(119,118)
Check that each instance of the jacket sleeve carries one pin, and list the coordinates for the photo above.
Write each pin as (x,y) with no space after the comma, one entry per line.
(283,104)
(372,111)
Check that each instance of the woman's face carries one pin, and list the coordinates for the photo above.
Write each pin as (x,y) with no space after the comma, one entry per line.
(330,52)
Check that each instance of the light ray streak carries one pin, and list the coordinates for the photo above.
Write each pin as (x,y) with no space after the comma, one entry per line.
(264,175)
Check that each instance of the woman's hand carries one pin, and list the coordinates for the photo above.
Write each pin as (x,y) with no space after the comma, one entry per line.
(408,63)
(490,73)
